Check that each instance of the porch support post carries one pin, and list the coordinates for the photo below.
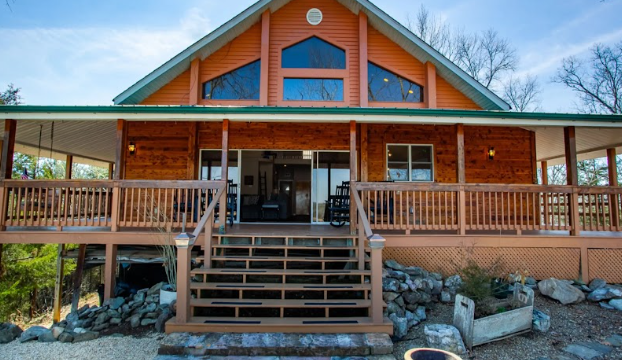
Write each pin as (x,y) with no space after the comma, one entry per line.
(429,96)
(110,271)
(376,244)
(58,286)
(265,58)
(364,154)
(68,167)
(8,147)
(363,59)
(614,206)
(545,181)
(183,284)
(77,284)
(545,172)
(570,144)
(224,164)
(110,171)
(192,151)
(195,82)
(461,178)
(353,176)
(119,165)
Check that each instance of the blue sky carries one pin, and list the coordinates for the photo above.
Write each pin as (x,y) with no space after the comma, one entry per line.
(86,52)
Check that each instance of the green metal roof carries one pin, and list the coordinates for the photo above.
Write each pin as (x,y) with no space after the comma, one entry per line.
(23,110)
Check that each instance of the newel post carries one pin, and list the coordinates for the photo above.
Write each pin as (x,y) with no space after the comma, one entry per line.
(376,244)
(184,243)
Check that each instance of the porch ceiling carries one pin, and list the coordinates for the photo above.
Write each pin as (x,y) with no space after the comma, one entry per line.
(92,142)
(591,143)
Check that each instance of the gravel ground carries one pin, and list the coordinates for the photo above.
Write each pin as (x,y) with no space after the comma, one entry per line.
(569,324)
(105,348)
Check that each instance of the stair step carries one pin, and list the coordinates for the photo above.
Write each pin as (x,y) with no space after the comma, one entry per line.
(278,303)
(279,344)
(278,287)
(279,272)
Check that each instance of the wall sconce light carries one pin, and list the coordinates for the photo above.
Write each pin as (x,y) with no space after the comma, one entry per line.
(131,148)
(491,153)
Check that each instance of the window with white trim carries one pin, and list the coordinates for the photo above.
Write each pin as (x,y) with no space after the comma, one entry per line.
(410,162)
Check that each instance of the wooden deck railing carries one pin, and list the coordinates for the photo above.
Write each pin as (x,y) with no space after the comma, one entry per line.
(491,207)
(104,203)
(376,244)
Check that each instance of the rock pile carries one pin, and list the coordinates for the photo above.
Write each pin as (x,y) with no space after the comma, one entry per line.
(572,292)
(407,291)
(9,332)
(141,309)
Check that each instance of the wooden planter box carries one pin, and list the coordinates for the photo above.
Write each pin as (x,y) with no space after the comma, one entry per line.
(495,327)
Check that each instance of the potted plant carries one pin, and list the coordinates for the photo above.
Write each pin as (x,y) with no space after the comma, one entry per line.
(168,292)
(497,320)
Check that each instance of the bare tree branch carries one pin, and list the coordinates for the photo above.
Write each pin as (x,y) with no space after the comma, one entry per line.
(598,81)
(486,56)
(523,93)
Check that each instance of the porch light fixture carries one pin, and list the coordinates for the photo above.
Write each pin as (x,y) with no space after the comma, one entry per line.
(491,153)
(131,148)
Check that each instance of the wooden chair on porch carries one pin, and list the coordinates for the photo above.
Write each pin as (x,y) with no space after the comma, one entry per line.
(232,202)
(338,206)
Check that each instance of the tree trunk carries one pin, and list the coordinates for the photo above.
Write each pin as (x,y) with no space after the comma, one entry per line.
(1,267)
(33,303)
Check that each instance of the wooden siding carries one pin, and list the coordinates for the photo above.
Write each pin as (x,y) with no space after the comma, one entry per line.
(174,93)
(161,151)
(275,136)
(241,51)
(387,54)
(448,97)
(289,26)
(512,164)
(340,27)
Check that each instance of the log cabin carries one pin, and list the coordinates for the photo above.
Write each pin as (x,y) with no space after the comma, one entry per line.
(295,115)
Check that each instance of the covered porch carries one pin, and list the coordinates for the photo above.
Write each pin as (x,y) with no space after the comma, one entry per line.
(552,230)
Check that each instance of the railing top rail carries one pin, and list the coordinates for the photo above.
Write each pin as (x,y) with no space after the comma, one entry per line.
(512,188)
(156,184)
(361,210)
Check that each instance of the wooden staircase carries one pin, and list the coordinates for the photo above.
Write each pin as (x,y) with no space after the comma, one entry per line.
(297,284)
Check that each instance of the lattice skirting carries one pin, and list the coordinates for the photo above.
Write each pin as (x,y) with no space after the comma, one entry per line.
(541,263)
(606,264)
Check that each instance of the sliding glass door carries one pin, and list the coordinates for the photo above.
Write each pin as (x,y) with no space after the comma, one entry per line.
(329,169)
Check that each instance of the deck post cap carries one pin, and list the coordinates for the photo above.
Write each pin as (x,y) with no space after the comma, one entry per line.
(376,241)
(184,240)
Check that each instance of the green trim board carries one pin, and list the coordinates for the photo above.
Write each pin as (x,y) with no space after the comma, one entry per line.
(7,110)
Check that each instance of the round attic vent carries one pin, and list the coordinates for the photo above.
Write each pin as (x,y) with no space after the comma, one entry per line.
(314,17)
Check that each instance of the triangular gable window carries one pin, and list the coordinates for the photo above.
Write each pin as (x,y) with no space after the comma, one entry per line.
(313,53)
(387,86)
(239,84)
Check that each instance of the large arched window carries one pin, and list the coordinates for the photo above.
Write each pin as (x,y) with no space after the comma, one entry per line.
(239,84)
(313,53)
(384,85)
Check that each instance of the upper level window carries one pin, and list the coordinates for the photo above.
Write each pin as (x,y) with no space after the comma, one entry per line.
(313,53)
(312,89)
(387,86)
(239,84)
(410,163)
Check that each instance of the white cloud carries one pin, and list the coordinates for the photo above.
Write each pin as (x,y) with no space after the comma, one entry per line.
(90,65)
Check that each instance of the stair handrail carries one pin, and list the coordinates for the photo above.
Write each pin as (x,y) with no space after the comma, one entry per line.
(185,243)
(376,244)
(362,215)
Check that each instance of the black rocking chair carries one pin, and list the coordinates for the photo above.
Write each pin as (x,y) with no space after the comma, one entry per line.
(338,206)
